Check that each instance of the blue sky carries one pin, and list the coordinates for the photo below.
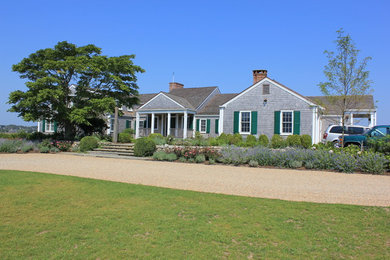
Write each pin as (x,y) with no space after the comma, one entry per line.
(205,43)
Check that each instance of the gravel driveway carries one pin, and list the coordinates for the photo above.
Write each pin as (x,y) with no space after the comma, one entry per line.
(294,185)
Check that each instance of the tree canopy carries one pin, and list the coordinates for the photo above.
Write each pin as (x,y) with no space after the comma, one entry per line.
(74,86)
(347,77)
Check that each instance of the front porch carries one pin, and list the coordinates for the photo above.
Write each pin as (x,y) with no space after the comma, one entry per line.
(179,124)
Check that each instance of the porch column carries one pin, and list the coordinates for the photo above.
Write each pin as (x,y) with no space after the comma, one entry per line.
(152,124)
(169,124)
(371,119)
(176,124)
(220,126)
(193,126)
(351,118)
(185,125)
(136,125)
(374,118)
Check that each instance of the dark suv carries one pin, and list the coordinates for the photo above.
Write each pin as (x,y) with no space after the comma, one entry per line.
(379,131)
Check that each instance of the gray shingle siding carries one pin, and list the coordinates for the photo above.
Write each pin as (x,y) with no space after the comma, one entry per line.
(161,102)
(277,100)
(212,124)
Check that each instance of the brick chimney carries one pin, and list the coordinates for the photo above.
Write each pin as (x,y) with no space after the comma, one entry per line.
(175,85)
(259,75)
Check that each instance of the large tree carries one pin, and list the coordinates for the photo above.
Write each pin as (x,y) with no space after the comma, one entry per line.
(347,77)
(100,83)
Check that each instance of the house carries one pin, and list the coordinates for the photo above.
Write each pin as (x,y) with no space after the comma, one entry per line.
(266,107)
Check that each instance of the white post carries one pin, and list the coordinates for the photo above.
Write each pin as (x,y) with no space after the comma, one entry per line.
(220,123)
(374,119)
(185,125)
(176,124)
(371,119)
(351,119)
(193,126)
(169,124)
(152,124)
(39,126)
(136,125)
(314,126)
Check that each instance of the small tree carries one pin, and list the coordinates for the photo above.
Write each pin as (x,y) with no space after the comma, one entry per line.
(99,84)
(347,77)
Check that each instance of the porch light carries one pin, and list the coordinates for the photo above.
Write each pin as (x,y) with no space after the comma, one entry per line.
(265,102)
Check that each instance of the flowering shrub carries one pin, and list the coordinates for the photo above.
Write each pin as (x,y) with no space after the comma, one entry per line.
(63,146)
(192,152)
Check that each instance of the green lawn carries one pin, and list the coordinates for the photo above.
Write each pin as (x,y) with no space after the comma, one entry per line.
(48,216)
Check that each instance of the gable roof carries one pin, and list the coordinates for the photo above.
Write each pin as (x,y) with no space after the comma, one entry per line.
(212,107)
(194,96)
(310,102)
(366,102)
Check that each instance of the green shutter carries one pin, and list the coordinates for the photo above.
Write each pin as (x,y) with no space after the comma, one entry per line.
(43,125)
(197,125)
(277,123)
(208,126)
(236,123)
(55,126)
(297,123)
(216,125)
(127,124)
(254,123)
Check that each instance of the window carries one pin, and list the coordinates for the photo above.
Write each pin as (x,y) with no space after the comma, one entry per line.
(155,123)
(355,130)
(287,122)
(379,132)
(265,89)
(245,122)
(203,124)
(336,130)
(49,126)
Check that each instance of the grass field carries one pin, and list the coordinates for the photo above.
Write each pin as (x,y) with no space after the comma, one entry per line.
(49,216)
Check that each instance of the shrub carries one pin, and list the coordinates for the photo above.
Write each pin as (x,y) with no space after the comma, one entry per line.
(191,160)
(295,164)
(294,141)
(182,159)
(171,157)
(157,138)
(44,149)
(381,145)
(63,146)
(344,162)
(169,139)
(129,131)
(200,158)
(88,143)
(253,163)
(159,155)
(263,140)
(278,142)
(27,147)
(306,141)
(124,138)
(54,150)
(234,139)
(144,147)
(211,161)
(372,163)
(11,146)
(222,139)
(250,141)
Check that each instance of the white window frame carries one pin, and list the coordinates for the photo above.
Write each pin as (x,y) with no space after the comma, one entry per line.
(200,126)
(240,122)
(49,126)
(281,122)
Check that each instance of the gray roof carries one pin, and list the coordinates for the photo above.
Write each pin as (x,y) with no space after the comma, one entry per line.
(212,108)
(182,101)
(194,96)
(143,98)
(331,107)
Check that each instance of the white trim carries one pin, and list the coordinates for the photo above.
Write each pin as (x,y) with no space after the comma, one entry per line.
(240,123)
(185,125)
(152,124)
(136,125)
(220,123)
(274,83)
(49,126)
(200,126)
(162,94)
(169,124)
(219,92)
(281,122)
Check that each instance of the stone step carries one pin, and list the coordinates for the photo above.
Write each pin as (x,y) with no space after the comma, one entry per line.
(114,150)
(117,144)
(110,154)
(117,147)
